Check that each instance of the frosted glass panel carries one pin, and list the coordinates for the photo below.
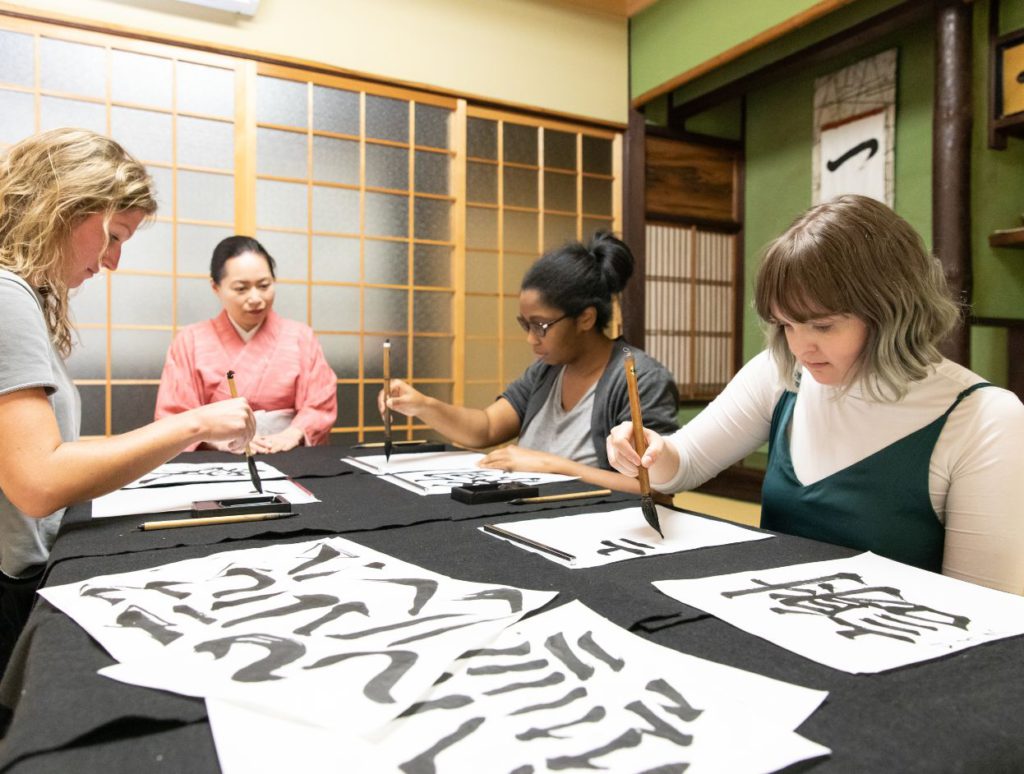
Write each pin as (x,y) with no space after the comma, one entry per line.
(559,192)
(481,272)
(481,228)
(94,407)
(482,138)
(89,302)
(432,126)
(17,116)
(520,187)
(373,361)
(342,354)
(432,311)
(432,219)
(290,300)
(88,359)
(593,225)
(282,154)
(145,80)
(163,181)
(432,265)
(17,63)
(387,119)
(559,149)
(432,172)
(288,251)
(144,133)
(281,204)
(74,68)
(335,110)
(597,155)
(150,248)
(387,215)
(140,300)
(597,196)
(195,301)
(131,406)
(335,259)
(432,357)
(482,182)
(521,232)
(514,267)
(348,400)
(206,196)
(138,355)
(520,144)
(558,229)
(481,315)
(335,209)
(204,89)
(385,310)
(204,143)
(387,167)
(56,112)
(335,161)
(195,247)
(335,308)
(386,263)
(482,359)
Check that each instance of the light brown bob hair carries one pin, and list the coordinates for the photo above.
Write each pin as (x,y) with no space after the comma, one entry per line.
(853,255)
(49,183)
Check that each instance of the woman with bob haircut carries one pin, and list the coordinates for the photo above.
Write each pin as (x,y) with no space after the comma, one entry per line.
(69,199)
(278,363)
(876,441)
(566,402)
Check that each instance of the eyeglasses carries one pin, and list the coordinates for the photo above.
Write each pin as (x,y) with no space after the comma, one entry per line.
(538,329)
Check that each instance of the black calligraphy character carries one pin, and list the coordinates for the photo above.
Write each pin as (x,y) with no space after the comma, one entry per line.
(574,695)
(378,689)
(326,554)
(682,709)
(514,597)
(587,643)
(302,603)
(595,715)
(425,590)
(552,679)
(134,617)
(281,651)
(191,612)
(424,762)
(871,146)
(498,669)
(261,577)
(613,547)
(560,649)
(454,701)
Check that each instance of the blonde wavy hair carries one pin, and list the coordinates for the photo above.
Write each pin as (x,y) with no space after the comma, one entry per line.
(49,183)
(853,255)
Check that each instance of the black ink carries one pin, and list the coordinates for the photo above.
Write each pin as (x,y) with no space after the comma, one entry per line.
(444,703)
(164,587)
(424,762)
(587,643)
(500,669)
(378,688)
(425,590)
(868,145)
(553,679)
(613,547)
(516,650)
(334,613)
(302,603)
(595,715)
(191,612)
(262,579)
(280,652)
(392,627)
(134,617)
(437,632)
(682,709)
(560,649)
(243,601)
(514,597)
(573,695)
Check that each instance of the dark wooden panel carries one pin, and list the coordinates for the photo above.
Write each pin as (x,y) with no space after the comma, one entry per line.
(685,180)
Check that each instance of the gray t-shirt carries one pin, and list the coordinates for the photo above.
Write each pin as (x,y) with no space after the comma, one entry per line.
(561,432)
(28,359)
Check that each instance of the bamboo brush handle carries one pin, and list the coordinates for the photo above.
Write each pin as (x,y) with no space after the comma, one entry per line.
(639,442)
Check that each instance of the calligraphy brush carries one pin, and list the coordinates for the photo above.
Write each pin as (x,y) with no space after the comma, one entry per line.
(646,498)
(248,451)
(387,394)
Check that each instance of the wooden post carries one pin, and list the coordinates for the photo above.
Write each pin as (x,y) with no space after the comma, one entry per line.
(951,162)
(634,228)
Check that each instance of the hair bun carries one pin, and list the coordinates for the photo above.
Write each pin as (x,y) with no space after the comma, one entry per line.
(614,259)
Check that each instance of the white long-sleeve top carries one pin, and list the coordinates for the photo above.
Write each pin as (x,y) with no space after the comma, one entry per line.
(976,473)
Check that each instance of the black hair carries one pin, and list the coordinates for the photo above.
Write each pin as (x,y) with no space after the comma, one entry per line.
(577,275)
(232,247)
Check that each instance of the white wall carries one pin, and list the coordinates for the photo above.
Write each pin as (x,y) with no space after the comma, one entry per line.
(525,52)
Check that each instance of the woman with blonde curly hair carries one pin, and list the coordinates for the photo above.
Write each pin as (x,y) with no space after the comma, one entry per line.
(69,199)
(876,441)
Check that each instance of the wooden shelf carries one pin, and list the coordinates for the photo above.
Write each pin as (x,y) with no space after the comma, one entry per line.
(1010,237)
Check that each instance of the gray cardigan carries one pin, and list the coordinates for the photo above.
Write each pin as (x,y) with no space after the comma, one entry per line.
(659,397)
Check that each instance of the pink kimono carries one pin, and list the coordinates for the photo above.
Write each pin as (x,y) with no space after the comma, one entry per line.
(281,367)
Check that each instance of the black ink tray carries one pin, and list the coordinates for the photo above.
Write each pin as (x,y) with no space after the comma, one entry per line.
(475,494)
(236,505)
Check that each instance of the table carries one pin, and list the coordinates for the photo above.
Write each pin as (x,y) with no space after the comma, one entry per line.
(959,713)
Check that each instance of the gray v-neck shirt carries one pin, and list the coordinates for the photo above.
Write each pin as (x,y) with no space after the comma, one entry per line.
(561,432)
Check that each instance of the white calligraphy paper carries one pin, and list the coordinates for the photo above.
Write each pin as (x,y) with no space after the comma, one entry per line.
(325,629)
(863,614)
(176,473)
(563,690)
(433,473)
(594,539)
(170,499)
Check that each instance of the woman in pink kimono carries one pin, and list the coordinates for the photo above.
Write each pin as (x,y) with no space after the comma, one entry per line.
(279,365)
